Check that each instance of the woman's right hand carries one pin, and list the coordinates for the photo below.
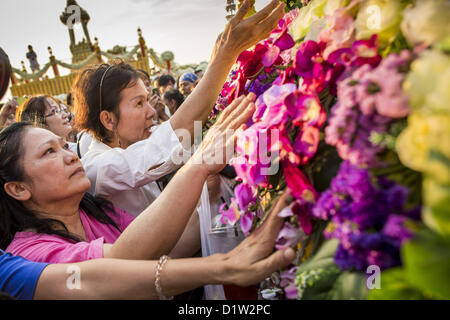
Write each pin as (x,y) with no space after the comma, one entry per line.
(217,148)
(240,34)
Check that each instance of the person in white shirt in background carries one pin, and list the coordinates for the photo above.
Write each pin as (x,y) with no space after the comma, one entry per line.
(128,152)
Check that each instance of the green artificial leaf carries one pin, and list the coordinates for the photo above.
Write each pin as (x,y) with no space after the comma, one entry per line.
(316,284)
(323,258)
(395,286)
(350,286)
(316,276)
(427,263)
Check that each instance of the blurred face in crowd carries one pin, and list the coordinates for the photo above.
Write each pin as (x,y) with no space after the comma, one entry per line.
(136,115)
(165,88)
(186,87)
(10,120)
(70,115)
(171,104)
(57,119)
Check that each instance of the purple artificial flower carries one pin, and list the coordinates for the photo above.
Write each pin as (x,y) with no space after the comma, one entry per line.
(369,101)
(396,230)
(288,283)
(367,215)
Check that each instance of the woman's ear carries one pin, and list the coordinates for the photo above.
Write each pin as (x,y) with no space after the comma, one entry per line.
(18,190)
(108,120)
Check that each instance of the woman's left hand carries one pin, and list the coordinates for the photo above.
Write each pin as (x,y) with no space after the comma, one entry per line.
(253,259)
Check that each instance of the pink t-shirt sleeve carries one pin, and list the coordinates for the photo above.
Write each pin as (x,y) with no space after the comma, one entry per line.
(124,218)
(50,249)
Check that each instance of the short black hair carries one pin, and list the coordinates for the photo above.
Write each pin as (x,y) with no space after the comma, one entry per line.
(174,94)
(166,79)
(144,73)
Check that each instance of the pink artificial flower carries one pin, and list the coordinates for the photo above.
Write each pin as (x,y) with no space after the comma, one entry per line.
(309,53)
(231,215)
(340,33)
(244,195)
(301,211)
(287,76)
(305,109)
(250,61)
(271,55)
(259,110)
(246,222)
(285,149)
(296,181)
(362,52)
(276,112)
(306,143)
(251,174)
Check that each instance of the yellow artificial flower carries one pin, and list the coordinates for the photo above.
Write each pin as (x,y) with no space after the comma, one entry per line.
(428,83)
(425,145)
(436,206)
(380,17)
(426,22)
(308,15)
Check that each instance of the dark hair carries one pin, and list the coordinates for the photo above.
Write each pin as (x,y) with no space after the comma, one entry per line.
(86,95)
(5,72)
(14,216)
(145,73)
(166,79)
(176,95)
(33,110)
(69,99)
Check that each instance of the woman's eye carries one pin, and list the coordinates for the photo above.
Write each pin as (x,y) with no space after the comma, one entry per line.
(49,150)
(66,146)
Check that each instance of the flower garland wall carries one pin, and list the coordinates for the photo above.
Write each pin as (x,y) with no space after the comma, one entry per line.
(353,118)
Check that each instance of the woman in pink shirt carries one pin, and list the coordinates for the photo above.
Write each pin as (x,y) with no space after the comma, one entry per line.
(47,215)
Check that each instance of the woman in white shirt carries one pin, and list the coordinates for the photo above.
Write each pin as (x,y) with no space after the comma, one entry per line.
(128,152)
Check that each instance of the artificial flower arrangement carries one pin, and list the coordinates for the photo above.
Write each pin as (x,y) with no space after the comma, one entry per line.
(353,118)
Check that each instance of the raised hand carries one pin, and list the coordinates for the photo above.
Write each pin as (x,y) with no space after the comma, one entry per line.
(240,34)
(217,148)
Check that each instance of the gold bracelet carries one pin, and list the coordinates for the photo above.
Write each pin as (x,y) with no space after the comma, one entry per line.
(162,261)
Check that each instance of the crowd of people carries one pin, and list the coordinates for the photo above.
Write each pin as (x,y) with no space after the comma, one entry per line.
(81,181)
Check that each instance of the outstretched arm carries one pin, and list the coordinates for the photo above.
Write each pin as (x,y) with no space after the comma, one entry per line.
(239,34)
(250,262)
(157,229)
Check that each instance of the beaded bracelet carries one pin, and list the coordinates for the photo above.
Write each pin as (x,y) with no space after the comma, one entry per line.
(162,261)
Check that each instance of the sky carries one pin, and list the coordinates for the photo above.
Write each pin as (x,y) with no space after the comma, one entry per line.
(188,28)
